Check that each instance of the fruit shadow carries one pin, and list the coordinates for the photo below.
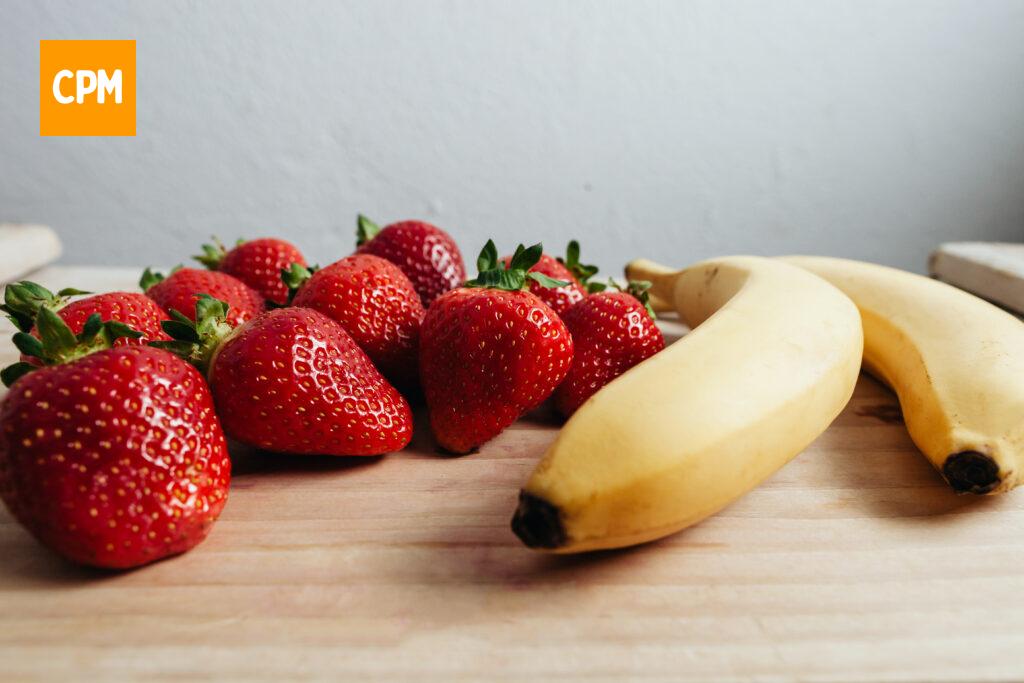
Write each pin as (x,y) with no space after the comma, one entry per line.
(903,486)
(423,440)
(504,563)
(26,565)
(486,551)
(544,415)
(595,567)
(247,461)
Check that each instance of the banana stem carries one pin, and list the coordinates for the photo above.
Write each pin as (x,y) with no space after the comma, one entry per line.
(662,279)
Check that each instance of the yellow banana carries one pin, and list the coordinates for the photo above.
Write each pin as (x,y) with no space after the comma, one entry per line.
(772,361)
(955,361)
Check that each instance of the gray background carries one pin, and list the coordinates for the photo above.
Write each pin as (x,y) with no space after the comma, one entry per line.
(678,130)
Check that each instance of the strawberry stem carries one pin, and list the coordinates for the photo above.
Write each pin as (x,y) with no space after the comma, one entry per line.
(22,301)
(295,276)
(581,271)
(57,344)
(214,253)
(150,278)
(198,341)
(494,275)
(366,230)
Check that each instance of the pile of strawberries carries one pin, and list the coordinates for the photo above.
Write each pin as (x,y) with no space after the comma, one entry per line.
(112,437)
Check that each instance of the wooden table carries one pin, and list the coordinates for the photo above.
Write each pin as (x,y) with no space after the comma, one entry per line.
(855,562)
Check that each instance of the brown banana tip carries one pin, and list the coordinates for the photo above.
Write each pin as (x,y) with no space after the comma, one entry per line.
(971,472)
(538,523)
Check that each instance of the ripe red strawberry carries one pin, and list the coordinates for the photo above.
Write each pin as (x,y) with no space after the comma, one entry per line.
(180,290)
(570,270)
(258,263)
(114,458)
(22,301)
(292,380)
(612,331)
(376,304)
(490,351)
(425,253)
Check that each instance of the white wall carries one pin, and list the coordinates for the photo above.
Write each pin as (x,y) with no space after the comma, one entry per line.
(674,129)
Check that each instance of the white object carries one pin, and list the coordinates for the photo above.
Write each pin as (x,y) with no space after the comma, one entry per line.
(992,270)
(24,248)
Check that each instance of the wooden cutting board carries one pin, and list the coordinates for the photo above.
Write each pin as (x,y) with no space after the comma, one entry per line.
(854,562)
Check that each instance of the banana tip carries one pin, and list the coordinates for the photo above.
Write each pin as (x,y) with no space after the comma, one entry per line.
(538,523)
(971,472)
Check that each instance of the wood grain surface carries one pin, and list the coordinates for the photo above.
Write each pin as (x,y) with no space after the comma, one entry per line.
(854,562)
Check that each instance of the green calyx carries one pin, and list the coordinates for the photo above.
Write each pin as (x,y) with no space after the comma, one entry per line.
(151,277)
(23,301)
(366,230)
(516,275)
(294,276)
(197,341)
(581,271)
(214,253)
(57,344)
(638,289)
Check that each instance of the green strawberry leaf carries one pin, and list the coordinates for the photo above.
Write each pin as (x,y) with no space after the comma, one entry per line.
(572,253)
(214,253)
(488,258)
(56,343)
(12,373)
(180,317)
(28,345)
(116,330)
(20,322)
(208,308)
(197,341)
(581,271)
(526,258)
(640,289)
(366,230)
(22,301)
(150,278)
(502,279)
(181,331)
(93,326)
(494,275)
(294,277)
(54,332)
(546,281)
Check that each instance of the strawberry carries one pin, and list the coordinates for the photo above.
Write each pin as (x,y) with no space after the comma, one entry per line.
(612,331)
(22,301)
(112,457)
(569,270)
(292,380)
(180,290)
(376,304)
(257,263)
(490,351)
(425,253)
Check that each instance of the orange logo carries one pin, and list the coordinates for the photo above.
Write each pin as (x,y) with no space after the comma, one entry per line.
(87,87)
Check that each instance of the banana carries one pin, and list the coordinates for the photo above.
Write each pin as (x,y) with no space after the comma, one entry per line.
(956,363)
(772,360)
